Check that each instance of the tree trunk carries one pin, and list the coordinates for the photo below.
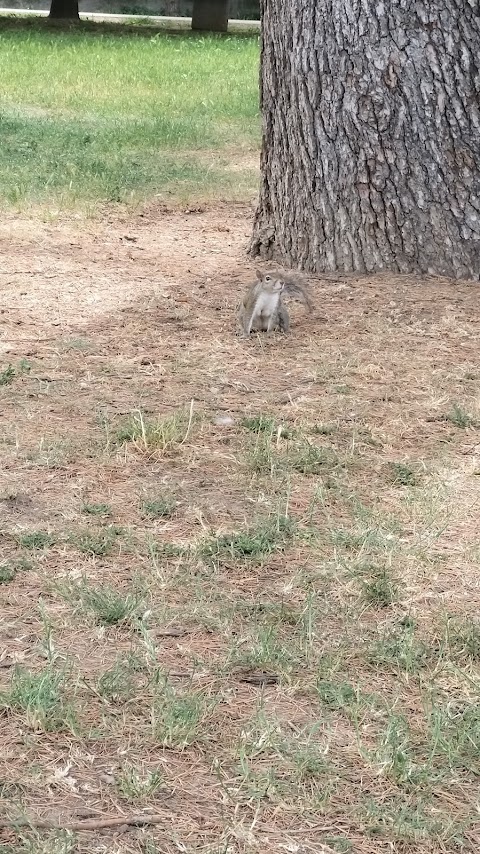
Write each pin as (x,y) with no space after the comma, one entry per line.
(371,136)
(210,15)
(64,9)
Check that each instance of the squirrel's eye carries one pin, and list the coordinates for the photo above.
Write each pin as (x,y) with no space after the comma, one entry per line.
(267,278)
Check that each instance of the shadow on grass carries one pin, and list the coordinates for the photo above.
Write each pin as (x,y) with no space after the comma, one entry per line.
(142,27)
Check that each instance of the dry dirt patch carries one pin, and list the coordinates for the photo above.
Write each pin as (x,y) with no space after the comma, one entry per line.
(100,321)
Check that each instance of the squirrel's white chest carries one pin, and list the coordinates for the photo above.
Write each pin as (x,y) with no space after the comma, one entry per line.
(266,304)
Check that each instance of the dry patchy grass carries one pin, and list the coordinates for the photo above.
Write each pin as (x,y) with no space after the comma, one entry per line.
(263,629)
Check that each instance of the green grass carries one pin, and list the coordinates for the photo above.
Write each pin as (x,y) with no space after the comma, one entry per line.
(459,417)
(96,509)
(404,474)
(462,637)
(107,606)
(155,435)
(89,115)
(7,375)
(380,590)
(281,451)
(7,573)
(259,424)
(162,507)
(36,540)
(179,715)
(10,569)
(42,697)
(36,842)
(116,684)
(253,543)
(97,543)
(137,785)
(400,650)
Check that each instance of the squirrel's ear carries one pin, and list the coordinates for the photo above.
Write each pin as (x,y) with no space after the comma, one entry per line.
(259,275)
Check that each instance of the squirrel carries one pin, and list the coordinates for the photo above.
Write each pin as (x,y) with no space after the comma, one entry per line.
(262,308)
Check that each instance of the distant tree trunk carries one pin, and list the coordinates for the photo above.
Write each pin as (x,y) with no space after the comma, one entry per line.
(210,15)
(371,136)
(64,9)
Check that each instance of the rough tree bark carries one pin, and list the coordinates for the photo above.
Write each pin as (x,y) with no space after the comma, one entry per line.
(210,15)
(64,10)
(371,136)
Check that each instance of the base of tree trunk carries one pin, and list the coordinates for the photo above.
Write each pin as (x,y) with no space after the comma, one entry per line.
(210,15)
(64,10)
(371,150)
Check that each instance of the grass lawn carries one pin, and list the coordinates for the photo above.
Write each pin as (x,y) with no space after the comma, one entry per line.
(239,580)
(101,113)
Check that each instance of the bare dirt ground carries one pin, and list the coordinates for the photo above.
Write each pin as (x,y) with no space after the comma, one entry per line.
(99,321)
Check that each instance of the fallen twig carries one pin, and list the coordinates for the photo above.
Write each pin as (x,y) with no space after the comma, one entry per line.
(78,826)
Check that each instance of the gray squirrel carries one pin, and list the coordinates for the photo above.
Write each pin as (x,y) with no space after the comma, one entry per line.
(262,308)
